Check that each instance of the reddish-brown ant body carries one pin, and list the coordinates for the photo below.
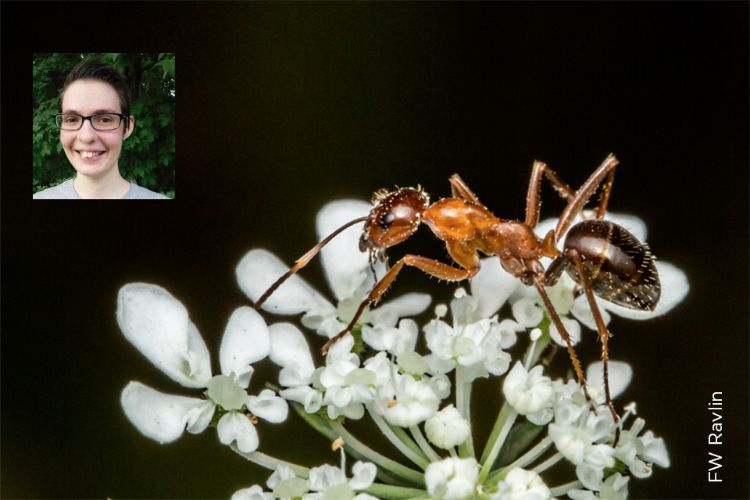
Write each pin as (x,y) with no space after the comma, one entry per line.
(602,257)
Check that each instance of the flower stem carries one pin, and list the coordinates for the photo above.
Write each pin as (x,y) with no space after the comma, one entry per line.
(507,416)
(323,426)
(389,491)
(426,448)
(401,440)
(463,405)
(271,463)
(505,420)
(522,461)
(381,461)
(532,454)
(548,463)
(564,488)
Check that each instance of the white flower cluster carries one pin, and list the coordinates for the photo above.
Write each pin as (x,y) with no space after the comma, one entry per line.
(324,482)
(157,324)
(405,392)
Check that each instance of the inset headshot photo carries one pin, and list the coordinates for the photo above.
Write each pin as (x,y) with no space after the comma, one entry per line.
(104,126)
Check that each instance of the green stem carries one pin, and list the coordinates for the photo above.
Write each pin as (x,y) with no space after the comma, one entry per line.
(401,440)
(318,423)
(271,463)
(564,488)
(507,416)
(323,426)
(548,463)
(505,420)
(381,461)
(426,448)
(522,461)
(463,404)
(389,491)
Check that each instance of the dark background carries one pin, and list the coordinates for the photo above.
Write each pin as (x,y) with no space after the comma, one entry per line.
(283,107)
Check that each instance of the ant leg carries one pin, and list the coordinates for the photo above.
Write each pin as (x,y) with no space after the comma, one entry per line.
(604,335)
(533,195)
(565,335)
(430,266)
(604,171)
(459,189)
(303,261)
(604,199)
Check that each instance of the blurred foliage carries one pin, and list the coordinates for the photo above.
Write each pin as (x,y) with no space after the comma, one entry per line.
(148,155)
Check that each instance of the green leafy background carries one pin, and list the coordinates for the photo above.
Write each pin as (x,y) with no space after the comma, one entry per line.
(148,155)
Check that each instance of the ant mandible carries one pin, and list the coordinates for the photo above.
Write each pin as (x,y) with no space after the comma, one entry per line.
(604,259)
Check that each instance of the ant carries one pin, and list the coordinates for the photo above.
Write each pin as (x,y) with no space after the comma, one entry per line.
(604,259)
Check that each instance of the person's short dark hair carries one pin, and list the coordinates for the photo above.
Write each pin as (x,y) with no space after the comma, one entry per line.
(93,69)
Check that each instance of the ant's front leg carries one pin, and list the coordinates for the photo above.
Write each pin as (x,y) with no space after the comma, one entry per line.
(603,331)
(432,267)
(539,284)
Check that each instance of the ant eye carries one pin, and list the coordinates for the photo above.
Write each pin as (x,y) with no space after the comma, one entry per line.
(386,221)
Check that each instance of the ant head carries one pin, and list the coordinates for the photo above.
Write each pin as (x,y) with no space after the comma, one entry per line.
(395,216)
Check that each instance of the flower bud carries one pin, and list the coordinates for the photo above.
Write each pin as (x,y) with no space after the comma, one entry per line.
(452,478)
(447,428)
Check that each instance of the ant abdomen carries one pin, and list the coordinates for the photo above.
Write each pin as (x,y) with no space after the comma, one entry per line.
(619,268)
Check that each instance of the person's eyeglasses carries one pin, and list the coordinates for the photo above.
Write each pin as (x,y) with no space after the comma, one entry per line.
(100,121)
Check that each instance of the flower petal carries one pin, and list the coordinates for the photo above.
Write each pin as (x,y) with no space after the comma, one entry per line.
(654,449)
(289,348)
(394,340)
(234,426)
(254,492)
(268,406)
(410,304)
(344,264)
(161,417)
(259,269)
(581,311)
(633,224)
(311,399)
(200,418)
(245,341)
(630,222)
(492,286)
(674,288)
(363,475)
(620,375)
(527,312)
(573,328)
(157,325)
(323,477)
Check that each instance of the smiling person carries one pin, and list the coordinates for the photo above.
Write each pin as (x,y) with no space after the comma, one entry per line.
(94,122)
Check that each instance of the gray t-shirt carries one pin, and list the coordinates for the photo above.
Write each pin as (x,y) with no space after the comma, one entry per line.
(65,191)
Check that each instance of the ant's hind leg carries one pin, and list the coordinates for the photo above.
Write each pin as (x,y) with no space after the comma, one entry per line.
(603,173)
(533,195)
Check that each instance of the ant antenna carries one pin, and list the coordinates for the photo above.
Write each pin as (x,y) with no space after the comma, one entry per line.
(304,260)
